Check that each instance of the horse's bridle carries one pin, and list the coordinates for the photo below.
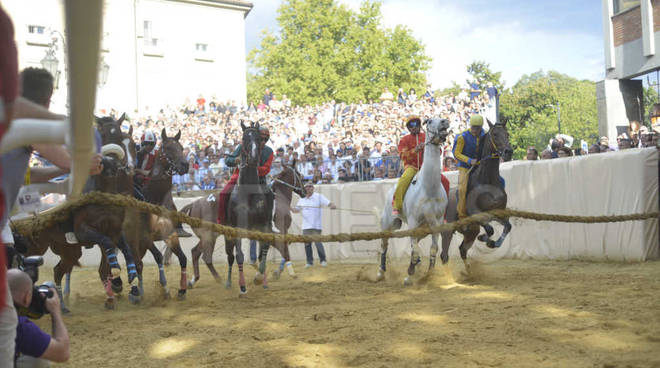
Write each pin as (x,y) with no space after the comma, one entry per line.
(498,152)
(435,134)
(296,179)
(245,152)
(166,161)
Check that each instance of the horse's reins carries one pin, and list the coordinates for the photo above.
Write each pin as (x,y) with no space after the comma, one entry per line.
(296,179)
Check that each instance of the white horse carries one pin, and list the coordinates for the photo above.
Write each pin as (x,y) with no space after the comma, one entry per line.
(425,201)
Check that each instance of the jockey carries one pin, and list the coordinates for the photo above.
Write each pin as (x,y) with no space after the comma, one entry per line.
(465,152)
(233,160)
(146,157)
(411,150)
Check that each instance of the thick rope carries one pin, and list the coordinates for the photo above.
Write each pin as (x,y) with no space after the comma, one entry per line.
(34,225)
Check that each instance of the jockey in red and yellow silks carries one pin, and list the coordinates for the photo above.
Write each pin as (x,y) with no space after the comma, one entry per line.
(465,152)
(264,168)
(411,151)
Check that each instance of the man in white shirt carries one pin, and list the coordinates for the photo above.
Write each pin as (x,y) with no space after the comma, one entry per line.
(310,206)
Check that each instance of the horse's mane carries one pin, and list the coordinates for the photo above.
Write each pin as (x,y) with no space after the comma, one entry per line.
(480,146)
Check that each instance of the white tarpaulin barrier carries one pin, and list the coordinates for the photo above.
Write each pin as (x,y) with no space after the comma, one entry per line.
(615,183)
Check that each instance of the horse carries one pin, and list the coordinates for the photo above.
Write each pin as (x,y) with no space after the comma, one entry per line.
(249,207)
(425,201)
(284,184)
(93,224)
(485,192)
(142,229)
(206,208)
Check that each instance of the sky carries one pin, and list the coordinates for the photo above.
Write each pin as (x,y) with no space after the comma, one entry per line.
(516,37)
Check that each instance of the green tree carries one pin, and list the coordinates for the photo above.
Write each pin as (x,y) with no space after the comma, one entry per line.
(327,51)
(532,122)
(650,98)
(480,71)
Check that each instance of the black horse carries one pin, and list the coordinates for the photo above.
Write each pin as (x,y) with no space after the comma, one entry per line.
(250,206)
(485,192)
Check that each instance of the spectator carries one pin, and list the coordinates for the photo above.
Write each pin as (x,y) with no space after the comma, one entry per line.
(532,154)
(564,152)
(401,97)
(474,90)
(546,155)
(594,148)
(268,96)
(310,206)
(33,346)
(386,97)
(449,164)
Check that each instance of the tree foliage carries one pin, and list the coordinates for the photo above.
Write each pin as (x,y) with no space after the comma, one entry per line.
(532,122)
(480,71)
(326,51)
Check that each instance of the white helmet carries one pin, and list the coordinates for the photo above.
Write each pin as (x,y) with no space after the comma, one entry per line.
(148,136)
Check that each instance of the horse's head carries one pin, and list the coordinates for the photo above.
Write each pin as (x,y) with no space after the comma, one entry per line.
(291,178)
(436,130)
(114,141)
(171,154)
(110,129)
(251,145)
(498,140)
(129,146)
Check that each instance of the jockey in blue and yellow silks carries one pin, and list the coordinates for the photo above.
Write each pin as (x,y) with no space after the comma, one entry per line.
(465,152)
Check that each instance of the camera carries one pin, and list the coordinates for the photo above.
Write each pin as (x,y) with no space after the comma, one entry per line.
(37,307)
(30,265)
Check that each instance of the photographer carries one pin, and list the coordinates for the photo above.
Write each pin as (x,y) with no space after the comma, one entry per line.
(33,346)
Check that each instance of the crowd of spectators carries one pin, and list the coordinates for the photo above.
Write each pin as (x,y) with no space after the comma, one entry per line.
(330,142)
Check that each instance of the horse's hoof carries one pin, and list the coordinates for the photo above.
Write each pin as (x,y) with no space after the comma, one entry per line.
(181,295)
(190,284)
(134,299)
(265,286)
(407,282)
(380,276)
(109,304)
(166,294)
(483,238)
(228,285)
(243,290)
(491,244)
(65,310)
(117,285)
(258,279)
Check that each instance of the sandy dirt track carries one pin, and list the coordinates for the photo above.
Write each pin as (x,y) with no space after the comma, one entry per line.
(511,313)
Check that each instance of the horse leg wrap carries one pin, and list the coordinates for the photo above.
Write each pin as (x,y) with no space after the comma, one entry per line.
(265,281)
(262,266)
(283,263)
(132,272)
(383,262)
(112,262)
(161,275)
(289,269)
(108,288)
(183,284)
(241,277)
(67,284)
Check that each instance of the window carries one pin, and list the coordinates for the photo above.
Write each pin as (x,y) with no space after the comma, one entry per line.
(623,5)
(34,29)
(38,35)
(203,52)
(152,45)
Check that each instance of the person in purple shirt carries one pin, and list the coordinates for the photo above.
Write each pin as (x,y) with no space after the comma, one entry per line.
(33,346)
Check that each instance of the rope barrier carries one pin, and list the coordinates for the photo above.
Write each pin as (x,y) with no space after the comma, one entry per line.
(34,225)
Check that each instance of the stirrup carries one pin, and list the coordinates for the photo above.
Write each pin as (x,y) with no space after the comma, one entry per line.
(71,238)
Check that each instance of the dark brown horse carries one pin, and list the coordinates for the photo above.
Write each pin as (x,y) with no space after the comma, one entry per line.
(95,224)
(142,229)
(485,192)
(250,206)
(206,208)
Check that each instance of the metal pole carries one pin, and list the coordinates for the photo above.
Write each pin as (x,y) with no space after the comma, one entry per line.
(558,117)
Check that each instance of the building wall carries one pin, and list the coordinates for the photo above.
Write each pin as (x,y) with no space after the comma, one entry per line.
(140,75)
(633,45)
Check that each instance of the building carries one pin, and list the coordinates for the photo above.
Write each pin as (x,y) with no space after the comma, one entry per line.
(153,53)
(632,42)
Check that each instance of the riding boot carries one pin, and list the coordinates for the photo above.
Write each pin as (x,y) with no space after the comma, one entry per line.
(181,232)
